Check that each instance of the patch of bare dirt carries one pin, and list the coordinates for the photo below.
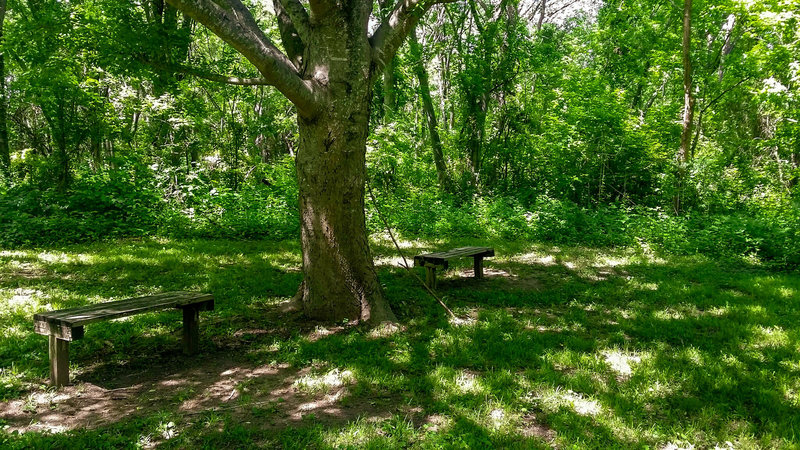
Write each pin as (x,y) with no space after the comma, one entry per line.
(487,272)
(532,428)
(394,261)
(23,270)
(217,382)
(466,277)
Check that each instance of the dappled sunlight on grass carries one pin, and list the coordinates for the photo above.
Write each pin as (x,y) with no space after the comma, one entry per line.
(324,382)
(553,400)
(558,346)
(620,362)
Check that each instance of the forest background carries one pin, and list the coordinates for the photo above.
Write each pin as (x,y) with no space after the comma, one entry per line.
(554,121)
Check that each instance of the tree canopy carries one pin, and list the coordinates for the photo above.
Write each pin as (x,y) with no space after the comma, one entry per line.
(125,118)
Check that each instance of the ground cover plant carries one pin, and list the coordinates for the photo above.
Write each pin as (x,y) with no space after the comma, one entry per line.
(558,346)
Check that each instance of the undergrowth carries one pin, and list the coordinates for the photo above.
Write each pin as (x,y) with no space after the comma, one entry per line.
(129,202)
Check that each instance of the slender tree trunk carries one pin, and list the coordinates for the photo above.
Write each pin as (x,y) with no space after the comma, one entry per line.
(542,12)
(430,112)
(727,47)
(688,98)
(5,153)
(446,108)
(389,91)
(389,97)
(339,277)
(476,123)
(688,104)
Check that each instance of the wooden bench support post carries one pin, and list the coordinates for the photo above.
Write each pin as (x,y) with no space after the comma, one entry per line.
(430,276)
(191,330)
(478,266)
(59,361)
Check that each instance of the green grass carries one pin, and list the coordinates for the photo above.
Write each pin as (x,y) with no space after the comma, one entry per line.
(590,347)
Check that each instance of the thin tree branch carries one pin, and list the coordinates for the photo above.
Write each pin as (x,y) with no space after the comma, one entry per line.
(550,15)
(402,255)
(717,98)
(705,108)
(234,24)
(199,73)
(236,81)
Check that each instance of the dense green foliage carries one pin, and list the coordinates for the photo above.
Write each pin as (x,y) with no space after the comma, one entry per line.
(563,130)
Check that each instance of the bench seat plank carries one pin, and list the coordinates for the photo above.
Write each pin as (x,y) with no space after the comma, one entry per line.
(66,325)
(432,261)
(442,258)
(82,315)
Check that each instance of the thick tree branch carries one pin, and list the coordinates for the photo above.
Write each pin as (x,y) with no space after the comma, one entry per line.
(233,23)
(319,8)
(293,41)
(299,16)
(393,31)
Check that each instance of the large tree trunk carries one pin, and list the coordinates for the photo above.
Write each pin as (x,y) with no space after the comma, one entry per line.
(327,72)
(339,276)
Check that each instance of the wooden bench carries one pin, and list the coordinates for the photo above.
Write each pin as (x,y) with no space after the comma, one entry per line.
(432,261)
(66,325)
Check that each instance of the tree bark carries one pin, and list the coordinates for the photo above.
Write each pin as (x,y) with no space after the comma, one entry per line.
(688,98)
(339,277)
(389,95)
(542,12)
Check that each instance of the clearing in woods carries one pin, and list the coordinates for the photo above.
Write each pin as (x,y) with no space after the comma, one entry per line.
(555,346)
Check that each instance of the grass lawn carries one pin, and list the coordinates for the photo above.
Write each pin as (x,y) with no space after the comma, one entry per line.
(556,347)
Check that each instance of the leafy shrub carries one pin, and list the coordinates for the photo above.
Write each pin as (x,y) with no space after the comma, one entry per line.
(110,204)
(264,207)
(768,234)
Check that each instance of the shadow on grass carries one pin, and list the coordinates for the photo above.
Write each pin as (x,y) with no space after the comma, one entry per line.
(585,347)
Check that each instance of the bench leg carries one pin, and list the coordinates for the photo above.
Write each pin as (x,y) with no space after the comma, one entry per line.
(191,330)
(430,276)
(59,362)
(478,266)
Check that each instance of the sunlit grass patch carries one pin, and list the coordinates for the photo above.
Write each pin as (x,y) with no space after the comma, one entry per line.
(620,362)
(576,347)
(324,382)
(769,337)
(552,400)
